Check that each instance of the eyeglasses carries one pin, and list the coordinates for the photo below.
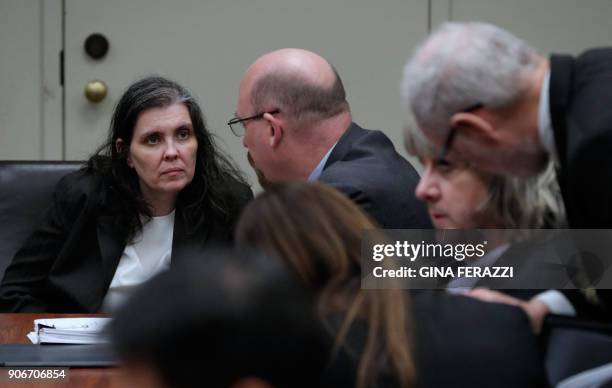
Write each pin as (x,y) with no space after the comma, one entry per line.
(237,124)
(451,135)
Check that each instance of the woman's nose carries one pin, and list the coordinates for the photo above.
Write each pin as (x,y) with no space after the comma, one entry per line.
(427,190)
(170,152)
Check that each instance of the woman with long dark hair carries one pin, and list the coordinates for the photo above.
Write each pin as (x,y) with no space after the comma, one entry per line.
(157,189)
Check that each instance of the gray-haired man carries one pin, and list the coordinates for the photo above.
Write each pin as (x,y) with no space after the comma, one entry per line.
(485,96)
(482,95)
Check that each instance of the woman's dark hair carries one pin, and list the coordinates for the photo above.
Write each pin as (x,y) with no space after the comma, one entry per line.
(237,314)
(206,196)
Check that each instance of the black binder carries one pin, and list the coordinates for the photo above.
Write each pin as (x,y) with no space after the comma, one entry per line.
(98,355)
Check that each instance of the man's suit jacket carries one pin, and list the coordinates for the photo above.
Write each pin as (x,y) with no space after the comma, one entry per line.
(456,341)
(581,114)
(67,264)
(365,166)
(531,266)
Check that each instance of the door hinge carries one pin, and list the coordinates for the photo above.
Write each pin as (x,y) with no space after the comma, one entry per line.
(61,67)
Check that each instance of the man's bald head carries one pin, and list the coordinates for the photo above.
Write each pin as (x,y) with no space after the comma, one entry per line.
(298,82)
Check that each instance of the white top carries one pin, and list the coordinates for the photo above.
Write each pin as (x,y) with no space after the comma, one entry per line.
(148,254)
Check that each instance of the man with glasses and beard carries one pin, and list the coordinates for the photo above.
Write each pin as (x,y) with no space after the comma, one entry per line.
(296,124)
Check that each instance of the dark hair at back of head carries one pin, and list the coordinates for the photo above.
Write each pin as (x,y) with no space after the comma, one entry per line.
(205,197)
(298,97)
(236,314)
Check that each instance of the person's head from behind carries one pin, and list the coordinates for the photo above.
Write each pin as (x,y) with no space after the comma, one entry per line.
(235,319)
(474,91)
(318,231)
(285,97)
(459,196)
(312,225)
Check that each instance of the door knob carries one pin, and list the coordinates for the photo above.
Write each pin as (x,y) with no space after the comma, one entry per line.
(95,91)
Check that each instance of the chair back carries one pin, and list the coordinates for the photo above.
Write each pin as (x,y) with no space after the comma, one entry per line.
(26,189)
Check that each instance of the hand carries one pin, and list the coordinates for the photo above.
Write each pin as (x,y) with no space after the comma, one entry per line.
(535,309)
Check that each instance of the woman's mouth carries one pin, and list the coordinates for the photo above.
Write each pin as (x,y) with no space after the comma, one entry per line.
(172,171)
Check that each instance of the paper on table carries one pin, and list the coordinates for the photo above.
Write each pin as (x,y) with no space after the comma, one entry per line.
(69,330)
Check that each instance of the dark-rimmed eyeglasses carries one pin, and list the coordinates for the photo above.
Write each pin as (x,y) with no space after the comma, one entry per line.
(237,124)
(451,135)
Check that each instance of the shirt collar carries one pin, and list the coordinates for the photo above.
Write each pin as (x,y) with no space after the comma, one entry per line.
(459,284)
(545,129)
(316,173)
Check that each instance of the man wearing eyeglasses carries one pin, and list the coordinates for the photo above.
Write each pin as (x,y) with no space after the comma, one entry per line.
(485,97)
(296,124)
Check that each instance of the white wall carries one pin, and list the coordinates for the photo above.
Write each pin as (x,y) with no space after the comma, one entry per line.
(367,41)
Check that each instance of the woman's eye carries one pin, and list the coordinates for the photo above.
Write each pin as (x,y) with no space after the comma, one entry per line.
(152,139)
(444,166)
(183,134)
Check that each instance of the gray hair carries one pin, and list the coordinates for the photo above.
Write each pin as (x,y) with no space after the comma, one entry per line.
(528,202)
(519,202)
(300,98)
(463,64)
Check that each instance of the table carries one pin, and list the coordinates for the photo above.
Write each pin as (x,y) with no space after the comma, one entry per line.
(13,330)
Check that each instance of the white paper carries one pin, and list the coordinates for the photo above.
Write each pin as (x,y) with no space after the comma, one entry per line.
(69,331)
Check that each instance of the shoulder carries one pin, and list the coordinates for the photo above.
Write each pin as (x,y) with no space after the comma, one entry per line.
(75,195)
(233,195)
(78,189)
(596,54)
(593,56)
(365,162)
(592,72)
(588,122)
(359,137)
(367,159)
(367,149)
(238,190)
(79,183)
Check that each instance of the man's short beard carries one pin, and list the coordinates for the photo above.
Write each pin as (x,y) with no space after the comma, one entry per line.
(261,178)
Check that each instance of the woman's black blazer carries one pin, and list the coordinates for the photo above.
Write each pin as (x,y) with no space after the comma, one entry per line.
(67,264)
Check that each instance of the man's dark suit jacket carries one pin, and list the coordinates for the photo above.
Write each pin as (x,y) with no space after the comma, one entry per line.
(67,264)
(456,341)
(365,166)
(581,114)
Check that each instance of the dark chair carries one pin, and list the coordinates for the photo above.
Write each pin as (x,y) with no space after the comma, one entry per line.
(600,377)
(574,346)
(26,188)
